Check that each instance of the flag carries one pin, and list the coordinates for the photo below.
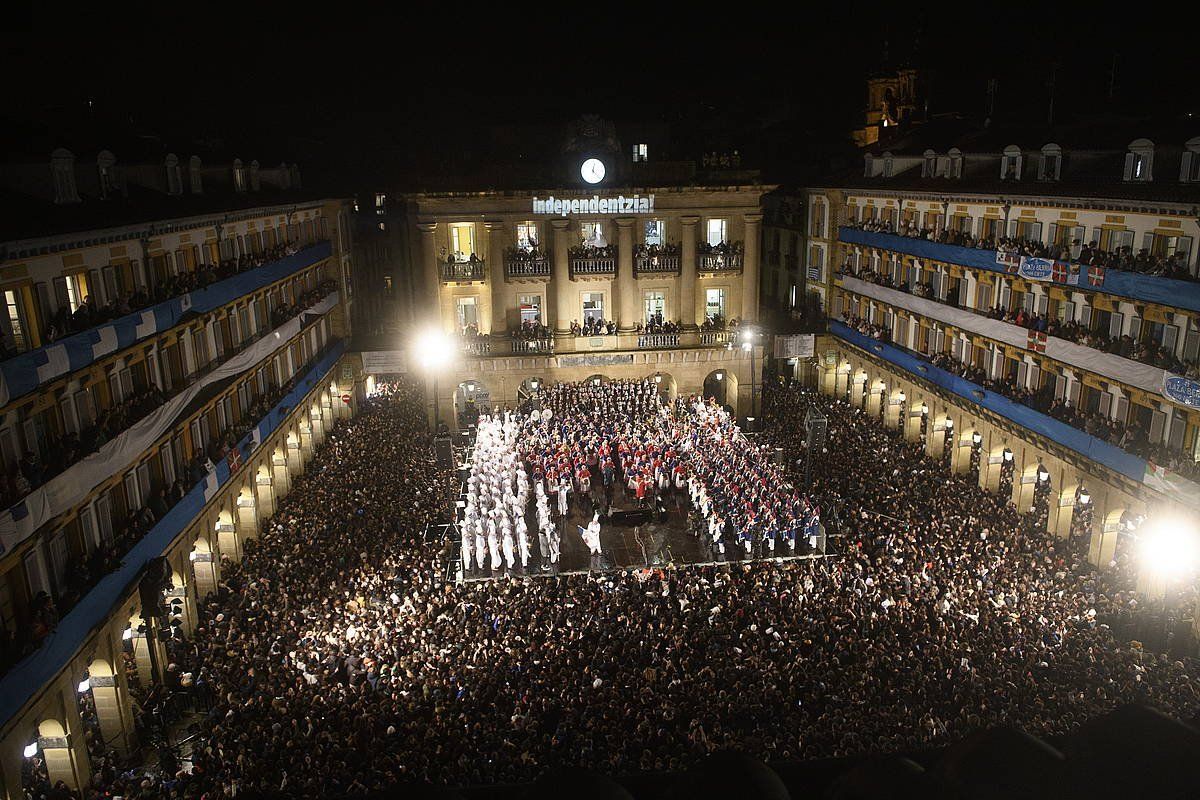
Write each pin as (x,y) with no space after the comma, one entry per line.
(234,459)
(1036,342)
(1058,273)
(1096,276)
(1009,260)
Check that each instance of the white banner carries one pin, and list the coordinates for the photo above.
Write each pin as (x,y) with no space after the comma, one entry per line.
(801,345)
(382,362)
(65,490)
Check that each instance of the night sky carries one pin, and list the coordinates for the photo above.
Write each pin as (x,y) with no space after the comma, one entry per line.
(350,101)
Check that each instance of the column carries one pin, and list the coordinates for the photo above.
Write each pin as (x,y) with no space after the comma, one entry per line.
(626,284)
(750,277)
(247,513)
(560,277)
(687,281)
(431,281)
(495,257)
(264,491)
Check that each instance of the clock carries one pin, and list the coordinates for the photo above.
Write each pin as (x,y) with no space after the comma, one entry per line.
(592,170)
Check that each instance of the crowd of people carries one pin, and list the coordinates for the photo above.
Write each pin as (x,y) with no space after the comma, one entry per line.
(339,663)
(1123,258)
(594,326)
(1145,350)
(89,313)
(531,330)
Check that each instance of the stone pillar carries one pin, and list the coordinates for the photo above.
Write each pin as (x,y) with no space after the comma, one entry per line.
(247,513)
(264,491)
(687,281)
(626,283)
(495,257)
(560,277)
(750,277)
(430,280)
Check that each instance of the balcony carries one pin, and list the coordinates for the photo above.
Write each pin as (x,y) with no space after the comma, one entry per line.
(657,341)
(728,260)
(1169,292)
(521,264)
(589,265)
(463,271)
(477,346)
(532,346)
(24,373)
(715,338)
(657,265)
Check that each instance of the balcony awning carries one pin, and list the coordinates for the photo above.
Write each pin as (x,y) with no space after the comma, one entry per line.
(1127,371)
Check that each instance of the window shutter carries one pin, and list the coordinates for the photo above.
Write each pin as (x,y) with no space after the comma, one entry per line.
(1027,300)
(1158,421)
(1183,249)
(1135,328)
(1170,337)
(1095,237)
(95,289)
(1069,311)
(1085,315)
(1076,387)
(1114,324)
(1178,428)
(1043,304)
(1191,345)
(1053,231)
(1060,386)
(1148,241)
(1022,373)
(1012,229)
(1105,403)
(1185,167)
(1035,231)
(1035,374)
(61,299)
(1128,166)
(1122,413)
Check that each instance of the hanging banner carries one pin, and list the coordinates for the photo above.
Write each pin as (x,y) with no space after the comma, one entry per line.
(1036,269)
(383,362)
(801,345)
(1184,391)
(1010,261)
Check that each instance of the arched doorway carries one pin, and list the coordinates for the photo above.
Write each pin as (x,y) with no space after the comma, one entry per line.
(722,385)
(666,385)
(531,389)
(597,380)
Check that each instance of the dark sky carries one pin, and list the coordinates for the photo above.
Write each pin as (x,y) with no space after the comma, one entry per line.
(343,93)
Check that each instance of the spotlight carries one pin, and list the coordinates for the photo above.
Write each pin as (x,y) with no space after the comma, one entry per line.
(1168,546)
(31,749)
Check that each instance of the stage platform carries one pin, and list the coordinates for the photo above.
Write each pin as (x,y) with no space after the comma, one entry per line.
(622,546)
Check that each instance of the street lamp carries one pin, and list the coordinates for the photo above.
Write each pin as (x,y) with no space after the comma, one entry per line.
(434,350)
(746,335)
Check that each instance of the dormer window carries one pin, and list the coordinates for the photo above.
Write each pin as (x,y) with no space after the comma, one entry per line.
(239,176)
(868,165)
(1050,168)
(929,168)
(887,165)
(62,169)
(105,164)
(956,163)
(1010,165)
(1139,161)
(1189,169)
(174,176)
(195,175)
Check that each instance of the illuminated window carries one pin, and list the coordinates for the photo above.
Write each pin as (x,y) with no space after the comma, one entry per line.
(16,328)
(593,306)
(592,234)
(640,152)
(656,232)
(714,303)
(462,240)
(531,308)
(654,307)
(380,203)
(527,235)
(468,312)
(75,291)
(715,231)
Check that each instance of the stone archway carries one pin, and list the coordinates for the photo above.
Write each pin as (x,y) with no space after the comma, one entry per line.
(204,567)
(722,385)
(471,398)
(667,387)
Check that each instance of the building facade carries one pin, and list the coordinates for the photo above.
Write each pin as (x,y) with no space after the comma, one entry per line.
(1048,290)
(577,283)
(163,382)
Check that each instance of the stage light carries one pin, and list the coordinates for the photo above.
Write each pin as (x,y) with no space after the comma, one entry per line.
(84,685)
(434,349)
(1168,546)
(31,749)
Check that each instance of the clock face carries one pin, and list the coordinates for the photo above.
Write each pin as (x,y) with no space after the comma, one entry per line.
(592,170)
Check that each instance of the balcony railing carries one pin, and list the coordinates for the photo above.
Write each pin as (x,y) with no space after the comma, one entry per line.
(719,262)
(583,265)
(657,265)
(517,266)
(477,347)
(710,338)
(453,271)
(657,341)
(523,346)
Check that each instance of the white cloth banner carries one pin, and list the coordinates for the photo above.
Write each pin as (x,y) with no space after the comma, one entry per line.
(1128,371)
(800,345)
(62,492)
(382,362)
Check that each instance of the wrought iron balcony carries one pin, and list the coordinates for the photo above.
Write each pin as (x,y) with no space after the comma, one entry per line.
(455,271)
(526,265)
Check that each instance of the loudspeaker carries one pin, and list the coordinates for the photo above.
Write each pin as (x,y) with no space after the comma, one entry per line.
(443,452)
